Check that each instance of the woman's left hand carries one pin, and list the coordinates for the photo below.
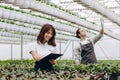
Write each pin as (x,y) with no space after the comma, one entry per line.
(52,61)
(102,28)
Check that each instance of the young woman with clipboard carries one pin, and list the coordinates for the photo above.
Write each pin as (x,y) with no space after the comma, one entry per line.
(44,45)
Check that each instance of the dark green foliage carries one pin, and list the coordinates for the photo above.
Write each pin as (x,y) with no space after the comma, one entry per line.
(64,70)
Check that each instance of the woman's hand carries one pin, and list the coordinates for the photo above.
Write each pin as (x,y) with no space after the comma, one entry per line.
(36,56)
(52,61)
(102,29)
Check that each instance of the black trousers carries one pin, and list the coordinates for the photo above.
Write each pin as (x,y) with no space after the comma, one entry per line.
(43,66)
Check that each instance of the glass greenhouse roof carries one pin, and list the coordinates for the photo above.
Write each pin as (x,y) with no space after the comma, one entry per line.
(90,15)
(78,8)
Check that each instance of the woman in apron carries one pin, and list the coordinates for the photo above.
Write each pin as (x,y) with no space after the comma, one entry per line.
(86,50)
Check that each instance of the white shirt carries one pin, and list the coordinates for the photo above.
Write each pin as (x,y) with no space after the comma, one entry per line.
(42,49)
(86,41)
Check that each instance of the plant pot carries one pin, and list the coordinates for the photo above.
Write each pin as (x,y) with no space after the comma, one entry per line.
(23,18)
(13,27)
(6,14)
(32,20)
(28,19)
(8,27)
(9,35)
(4,26)
(26,4)
(12,15)
(10,1)
(29,31)
(32,32)
(39,22)
(23,30)
(1,25)
(18,16)
(33,4)
(36,21)
(1,13)
(18,2)
(115,76)
(16,28)
(26,31)
(19,28)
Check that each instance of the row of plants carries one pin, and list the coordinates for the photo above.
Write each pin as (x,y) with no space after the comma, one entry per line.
(64,70)
(35,27)
(15,41)
(19,24)
(48,12)
(18,29)
(24,12)
(24,25)
(12,22)
(36,15)
(66,10)
(38,22)
(15,35)
(60,8)
(56,6)
(111,8)
(58,13)
(61,14)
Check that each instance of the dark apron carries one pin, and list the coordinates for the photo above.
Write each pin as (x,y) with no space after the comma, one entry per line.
(87,54)
(43,66)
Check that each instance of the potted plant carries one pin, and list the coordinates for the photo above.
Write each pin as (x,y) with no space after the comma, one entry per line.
(1,12)
(9,26)
(26,4)
(6,14)
(18,2)
(114,76)
(28,18)
(4,26)
(17,16)
(24,18)
(10,1)
(12,15)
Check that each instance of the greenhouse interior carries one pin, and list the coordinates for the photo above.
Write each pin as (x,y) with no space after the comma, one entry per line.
(94,55)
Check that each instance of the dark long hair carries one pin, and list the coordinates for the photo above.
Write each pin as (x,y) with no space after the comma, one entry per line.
(77,33)
(45,28)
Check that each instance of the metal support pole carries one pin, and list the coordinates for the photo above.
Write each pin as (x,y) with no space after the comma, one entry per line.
(103,51)
(72,50)
(119,31)
(119,46)
(119,49)
(11,51)
(60,48)
(21,47)
(66,46)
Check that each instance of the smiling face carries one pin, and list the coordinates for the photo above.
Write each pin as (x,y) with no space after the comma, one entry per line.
(48,35)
